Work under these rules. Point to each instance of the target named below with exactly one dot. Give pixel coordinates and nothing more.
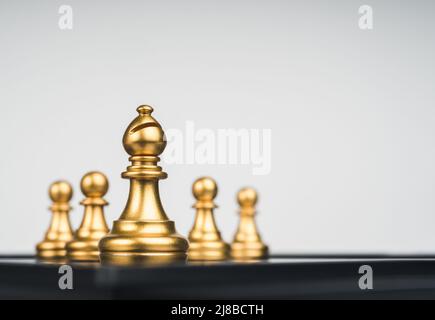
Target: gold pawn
(143, 234)
(205, 239)
(84, 247)
(247, 243)
(59, 231)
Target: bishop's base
(143, 242)
(83, 250)
(141, 258)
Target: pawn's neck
(204, 227)
(60, 226)
(247, 230)
(93, 223)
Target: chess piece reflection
(205, 239)
(247, 243)
(143, 234)
(59, 231)
(84, 247)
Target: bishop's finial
(144, 109)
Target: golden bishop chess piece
(143, 234)
(205, 240)
(84, 247)
(247, 243)
(59, 231)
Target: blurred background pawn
(53, 246)
(247, 243)
(84, 246)
(205, 240)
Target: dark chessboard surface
(279, 277)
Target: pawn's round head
(94, 184)
(204, 189)
(60, 191)
(247, 197)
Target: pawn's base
(51, 250)
(249, 251)
(208, 251)
(52, 261)
(83, 250)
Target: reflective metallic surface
(205, 239)
(59, 231)
(84, 247)
(143, 234)
(247, 243)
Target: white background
(352, 112)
